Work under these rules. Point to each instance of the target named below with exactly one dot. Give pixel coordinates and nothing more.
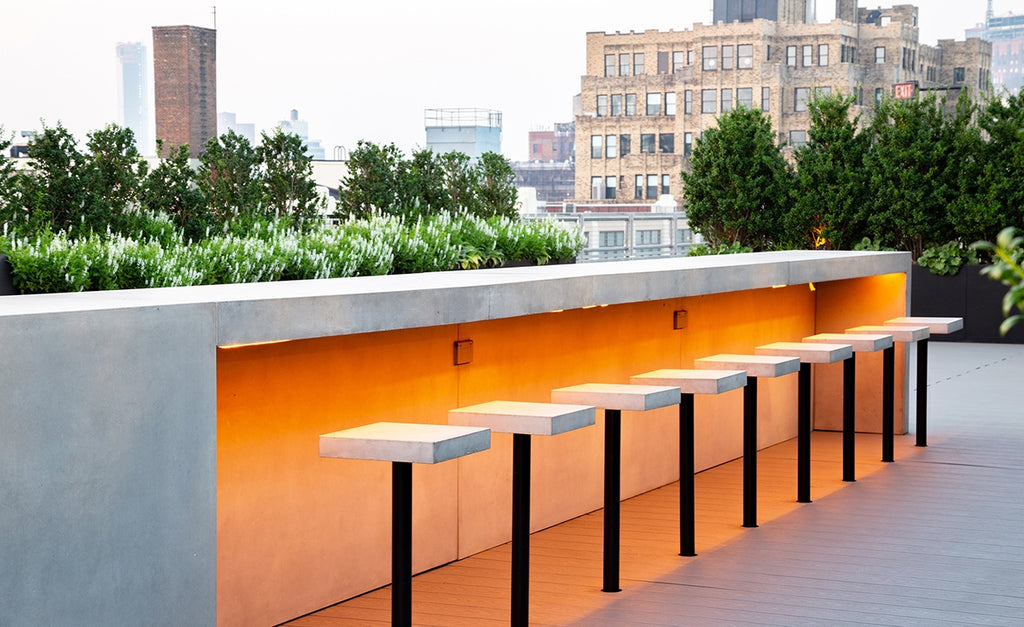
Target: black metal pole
(849, 417)
(687, 545)
(612, 466)
(803, 443)
(888, 400)
(520, 529)
(922, 392)
(750, 453)
(401, 544)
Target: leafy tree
(424, 184)
(739, 187)
(229, 177)
(830, 178)
(172, 187)
(1008, 268)
(115, 175)
(375, 181)
(288, 186)
(8, 183)
(56, 193)
(914, 168)
(460, 181)
(1001, 181)
(496, 186)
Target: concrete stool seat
(769, 366)
(690, 382)
(403, 444)
(523, 420)
(613, 398)
(863, 342)
(936, 326)
(809, 353)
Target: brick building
(185, 85)
(646, 97)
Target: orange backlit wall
(297, 533)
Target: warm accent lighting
(248, 344)
(811, 286)
(775, 287)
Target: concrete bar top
(860, 342)
(694, 381)
(768, 366)
(405, 442)
(523, 417)
(899, 332)
(618, 395)
(809, 353)
(285, 310)
(936, 326)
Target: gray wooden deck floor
(936, 538)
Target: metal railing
(619, 236)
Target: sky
(364, 69)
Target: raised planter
(6, 281)
(968, 294)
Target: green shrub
(947, 259)
(701, 250)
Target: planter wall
(6, 282)
(970, 295)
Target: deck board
(932, 539)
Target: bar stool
(862, 343)
(522, 420)
(809, 354)
(756, 366)
(906, 334)
(613, 398)
(403, 444)
(936, 326)
(690, 382)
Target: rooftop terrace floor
(936, 538)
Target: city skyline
(356, 72)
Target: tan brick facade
(710, 65)
(185, 85)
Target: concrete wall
(158, 458)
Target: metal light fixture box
(463, 352)
(679, 319)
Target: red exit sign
(903, 91)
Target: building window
(806, 54)
(611, 239)
(822, 54)
(652, 186)
(885, 20)
(688, 101)
(800, 97)
(745, 56)
(791, 56)
(727, 57)
(638, 186)
(797, 139)
(766, 99)
(667, 143)
(616, 104)
(684, 236)
(687, 144)
(609, 187)
(709, 54)
(609, 65)
(879, 54)
(648, 237)
(678, 61)
(670, 103)
(638, 63)
(611, 148)
(624, 64)
(878, 95)
(653, 104)
(596, 189)
(822, 91)
(647, 143)
(959, 75)
(623, 145)
(689, 57)
(662, 62)
(602, 105)
(665, 185)
(630, 104)
(708, 100)
(745, 97)
(595, 146)
(726, 100)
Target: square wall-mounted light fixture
(679, 320)
(463, 352)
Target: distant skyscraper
(132, 93)
(470, 131)
(299, 127)
(185, 85)
(785, 11)
(1006, 32)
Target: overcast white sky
(354, 70)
